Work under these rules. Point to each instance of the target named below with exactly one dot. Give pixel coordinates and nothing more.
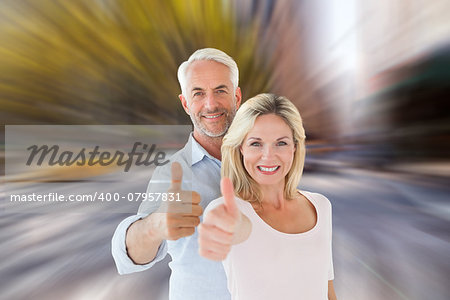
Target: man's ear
(184, 103)
(238, 96)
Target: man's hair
(208, 54)
(232, 161)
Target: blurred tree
(114, 61)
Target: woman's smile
(268, 150)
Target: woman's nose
(267, 152)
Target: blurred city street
(391, 238)
(391, 242)
(371, 80)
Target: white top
(274, 265)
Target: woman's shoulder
(241, 204)
(214, 203)
(317, 198)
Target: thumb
(226, 186)
(177, 176)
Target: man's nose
(210, 101)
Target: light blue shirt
(193, 277)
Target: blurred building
(371, 79)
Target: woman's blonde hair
(232, 161)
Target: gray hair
(208, 54)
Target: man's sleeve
(118, 245)
(119, 250)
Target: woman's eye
(255, 144)
(282, 144)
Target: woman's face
(268, 150)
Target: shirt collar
(198, 152)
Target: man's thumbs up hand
(182, 216)
(177, 176)
(220, 225)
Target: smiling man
(211, 96)
(210, 109)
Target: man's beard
(229, 116)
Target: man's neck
(210, 144)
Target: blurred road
(391, 241)
(391, 234)
(66, 254)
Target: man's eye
(221, 91)
(198, 94)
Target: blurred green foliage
(114, 61)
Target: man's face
(210, 100)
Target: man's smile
(213, 116)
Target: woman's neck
(273, 196)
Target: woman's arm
(331, 293)
(223, 225)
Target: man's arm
(142, 239)
(138, 239)
(123, 262)
(146, 235)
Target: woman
(274, 240)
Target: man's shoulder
(182, 156)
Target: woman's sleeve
(330, 267)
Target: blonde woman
(274, 240)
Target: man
(211, 96)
